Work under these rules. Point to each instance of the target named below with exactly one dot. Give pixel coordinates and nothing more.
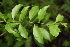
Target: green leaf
(9, 15)
(2, 16)
(37, 34)
(15, 10)
(33, 12)
(9, 28)
(45, 34)
(15, 33)
(50, 23)
(66, 43)
(59, 18)
(42, 12)
(64, 6)
(19, 39)
(65, 24)
(46, 18)
(13, 24)
(23, 13)
(23, 31)
(54, 30)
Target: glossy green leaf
(9, 28)
(45, 34)
(59, 18)
(33, 12)
(23, 31)
(54, 30)
(23, 13)
(15, 10)
(37, 34)
(42, 12)
(65, 24)
(2, 16)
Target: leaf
(13, 24)
(45, 34)
(54, 30)
(23, 13)
(42, 12)
(66, 43)
(37, 34)
(15, 10)
(51, 22)
(9, 15)
(67, 8)
(33, 12)
(15, 33)
(23, 31)
(65, 24)
(64, 6)
(2, 16)
(46, 18)
(19, 39)
(59, 18)
(9, 28)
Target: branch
(56, 8)
(3, 33)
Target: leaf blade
(54, 32)
(23, 31)
(15, 10)
(23, 13)
(45, 34)
(42, 12)
(59, 18)
(32, 12)
(37, 34)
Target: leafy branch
(35, 15)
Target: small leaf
(19, 39)
(42, 12)
(65, 24)
(59, 18)
(54, 30)
(9, 28)
(2, 16)
(66, 43)
(51, 22)
(45, 34)
(46, 18)
(16, 34)
(33, 12)
(37, 34)
(23, 13)
(15, 10)
(23, 31)
(13, 24)
(64, 6)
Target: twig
(56, 8)
(3, 33)
(1, 21)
